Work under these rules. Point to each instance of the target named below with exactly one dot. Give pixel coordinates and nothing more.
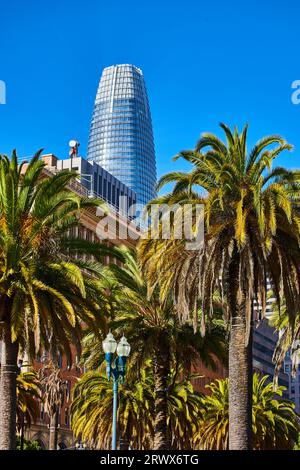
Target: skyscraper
(121, 136)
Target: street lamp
(80, 446)
(116, 368)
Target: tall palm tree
(53, 389)
(275, 425)
(154, 332)
(28, 401)
(251, 234)
(44, 295)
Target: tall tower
(121, 136)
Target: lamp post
(80, 446)
(116, 368)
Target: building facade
(204, 375)
(264, 342)
(294, 381)
(39, 430)
(265, 339)
(99, 182)
(121, 135)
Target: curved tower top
(121, 136)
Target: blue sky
(204, 62)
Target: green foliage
(155, 334)
(28, 398)
(28, 445)
(252, 221)
(214, 424)
(45, 296)
(149, 323)
(249, 236)
(275, 423)
(297, 444)
(91, 409)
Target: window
(287, 368)
(100, 185)
(113, 198)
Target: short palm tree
(214, 423)
(28, 401)
(154, 332)
(251, 235)
(184, 412)
(91, 410)
(44, 295)
(275, 425)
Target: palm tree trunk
(53, 431)
(161, 372)
(240, 388)
(240, 367)
(8, 391)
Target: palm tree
(91, 410)
(28, 401)
(53, 388)
(214, 423)
(251, 235)
(184, 412)
(154, 332)
(275, 425)
(44, 295)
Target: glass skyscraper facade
(121, 136)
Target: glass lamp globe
(109, 344)
(123, 348)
